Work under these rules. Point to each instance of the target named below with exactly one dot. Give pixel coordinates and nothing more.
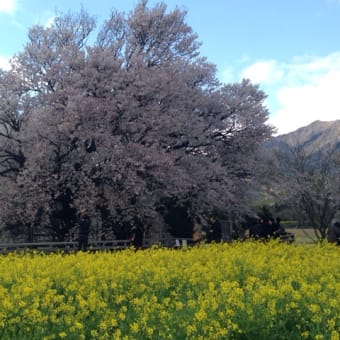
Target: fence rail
(107, 245)
(93, 245)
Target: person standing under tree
(136, 236)
(279, 229)
(215, 231)
(196, 233)
(84, 228)
(333, 235)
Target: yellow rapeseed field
(248, 290)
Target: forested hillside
(302, 174)
(318, 136)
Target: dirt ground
(303, 235)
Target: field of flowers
(227, 291)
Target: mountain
(318, 136)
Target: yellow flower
(335, 335)
(200, 315)
(78, 325)
(191, 329)
(149, 331)
(134, 327)
(179, 305)
(113, 322)
(94, 333)
(314, 308)
(331, 324)
(207, 292)
(103, 326)
(305, 334)
(117, 334)
(319, 337)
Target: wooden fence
(107, 245)
(93, 245)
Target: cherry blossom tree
(130, 126)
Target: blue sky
(291, 48)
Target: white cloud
(4, 62)
(50, 21)
(45, 18)
(301, 91)
(311, 92)
(8, 6)
(263, 72)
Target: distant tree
(123, 126)
(309, 183)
